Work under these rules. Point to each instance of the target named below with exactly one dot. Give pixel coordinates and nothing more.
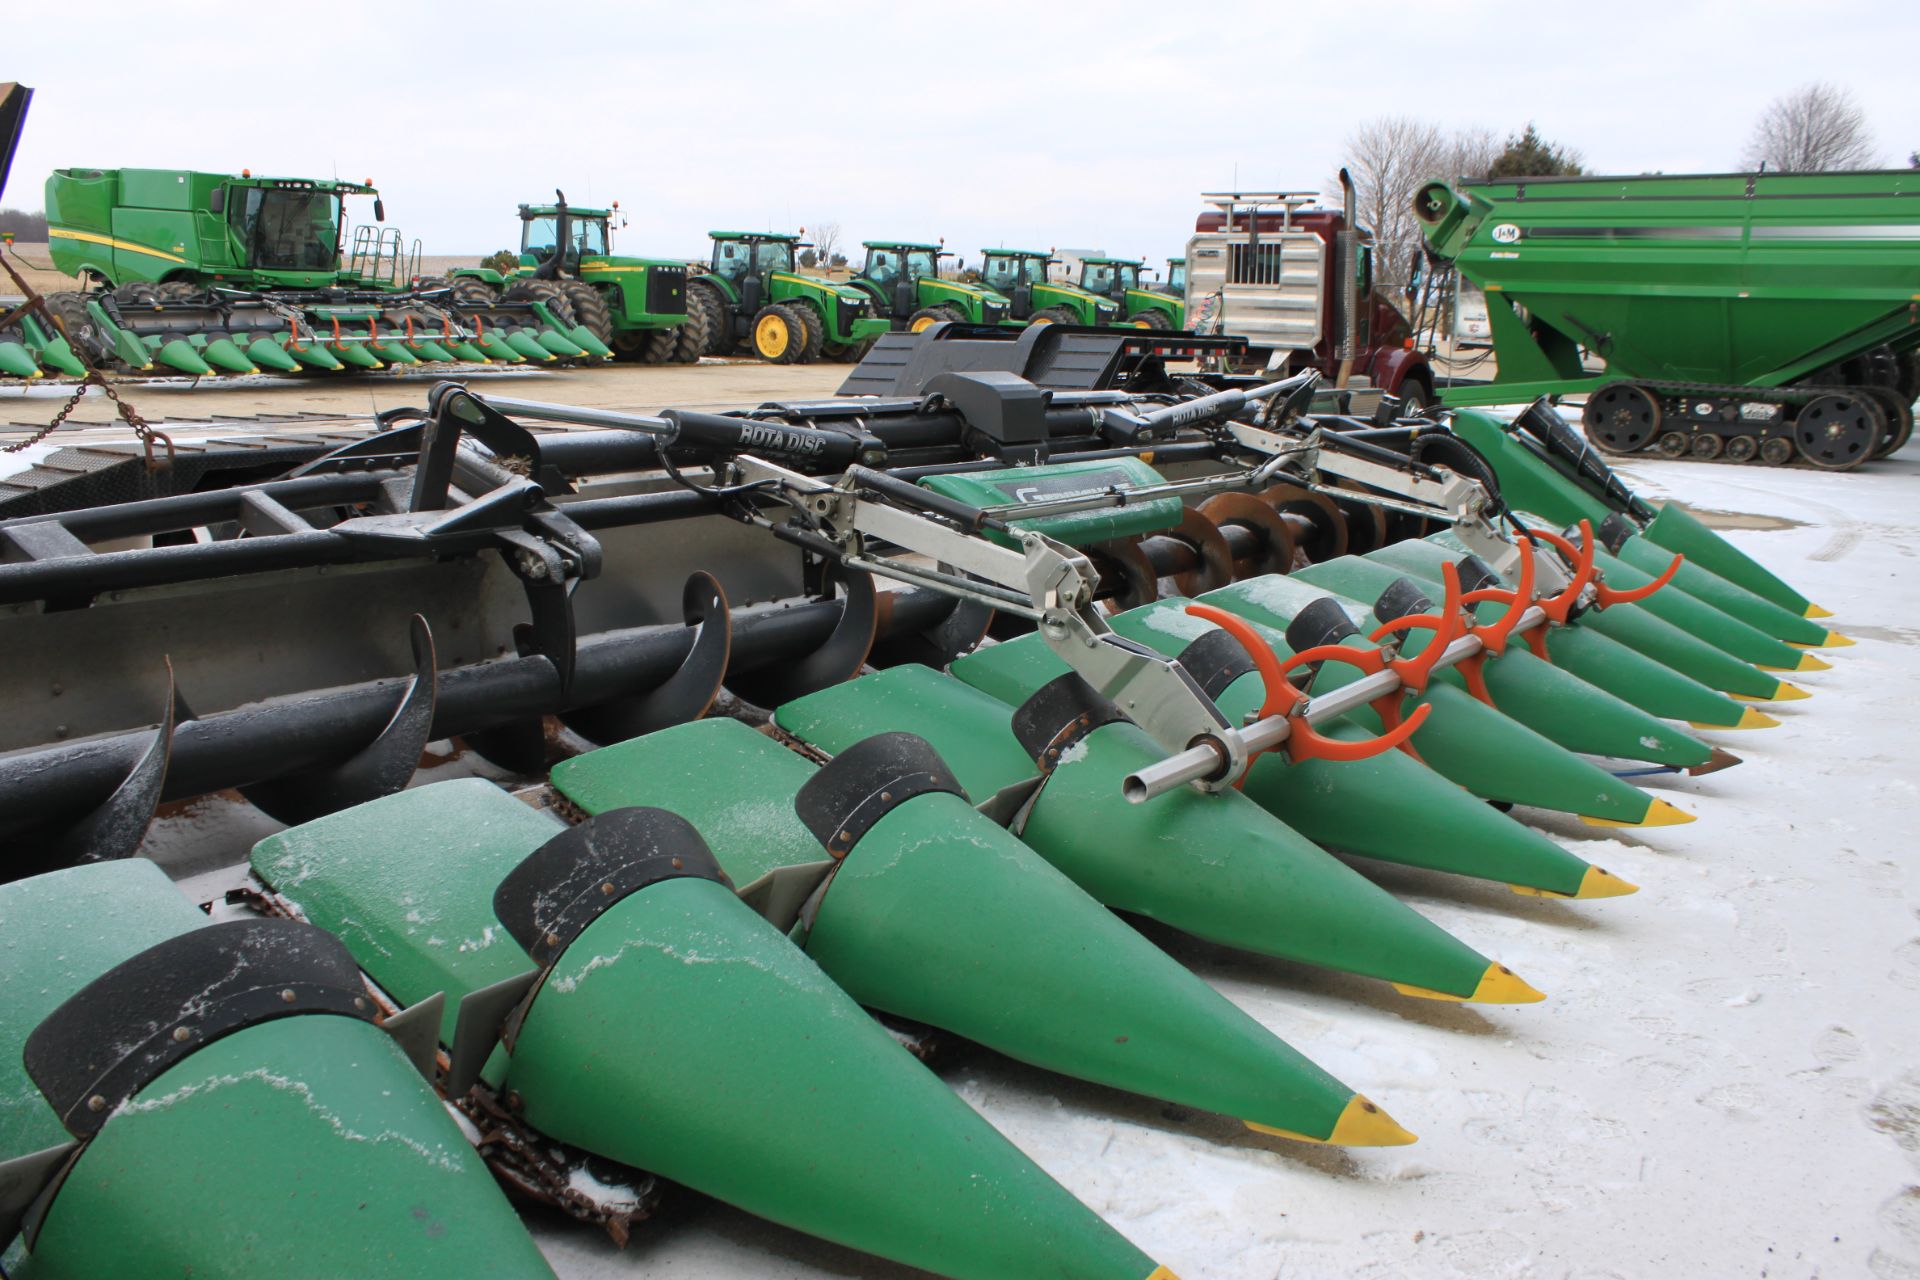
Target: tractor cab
(574, 234)
(894, 269)
(1016, 273)
(1110, 277)
(747, 260)
(1176, 284)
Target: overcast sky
(1029, 124)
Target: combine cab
(1118, 280)
(1755, 317)
(751, 293)
(1297, 282)
(206, 273)
(903, 280)
(1021, 275)
(634, 307)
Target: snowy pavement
(1724, 1081)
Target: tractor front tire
(590, 309)
(547, 292)
(927, 317)
(816, 331)
(470, 293)
(708, 330)
(1055, 315)
(779, 336)
(1151, 319)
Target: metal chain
(147, 434)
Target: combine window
(1254, 263)
(288, 230)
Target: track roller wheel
(1898, 412)
(1742, 449)
(1622, 417)
(1706, 446)
(1837, 431)
(778, 335)
(1673, 444)
(1776, 451)
(816, 330)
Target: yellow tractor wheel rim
(922, 324)
(770, 337)
(1141, 324)
(1041, 320)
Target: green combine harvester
(634, 307)
(1752, 317)
(211, 273)
(1021, 276)
(751, 293)
(903, 279)
(1118, 279)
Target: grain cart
(1021, 274)
(634, 307)
(1297, 281)
(203, 272)
(903, 279)
(1118, 279)
(1755, 317)
(751, 293)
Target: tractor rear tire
(816, 330)
(708, 330)
(544, 291)
(590, 309)
(1054, 315)
(779, 336)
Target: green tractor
(751, 293)
(903, 279)
(1118, 280)
(635, 307)
(1021, 274)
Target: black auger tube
(287, 735)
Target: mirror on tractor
(379, 209)
(217, 202)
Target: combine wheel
(1742, 449)
(547, 292)
(1055, 315)
(176, 290)
(1673, 444)
(816, 330)
(709, 327)
(1776, 451)
(1838, 431)
(590, 309)
(779, 337)
(927, 317)
(1622, 418)
(1706, 446)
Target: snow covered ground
(1724, 1081)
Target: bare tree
(826, 242)
(1817, 127)
(1392, 157)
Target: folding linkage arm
(1044, 580)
